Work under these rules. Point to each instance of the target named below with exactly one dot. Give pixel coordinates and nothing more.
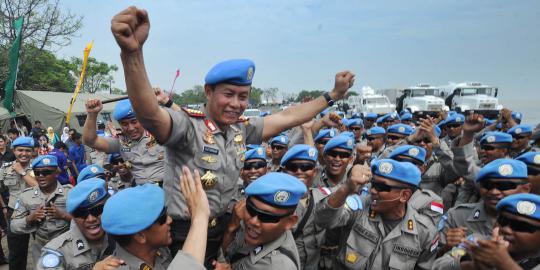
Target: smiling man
(211, 140)
(86, 242)
(337, 157)
(41, 210)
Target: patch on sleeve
(437, 207)
(434, 243)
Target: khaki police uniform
(116, 184)
(162, 260)
(324, 181)
(75, 251)
(279, 254)
(14, 181)
(473, 216)
(28, 201)
(146, 157)
(427, 203)
(411, 244)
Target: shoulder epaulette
(27, 189)
(193, 113)
(7, 164)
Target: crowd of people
(303, 188)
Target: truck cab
(367, 101)
(422, 100)
(473, 96)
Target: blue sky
(302, 44)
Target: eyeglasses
(263, 216)
(488, 147)
(424, 140)
(393, 137)
(83, 213)
(336, 154)
(293, 167)
(278, 147)
(162, 218)
(254, 165)
(382, 187)
(516, 225)
(500, 185)
(453, 125)
(44, 172)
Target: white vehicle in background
(252, 113)
(367, 102)
(473, 96)
(423, 99)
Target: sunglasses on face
(453, 125)
(356, 128)
(323, 142)
(532, 171)
(83, 213)
(382, 187)
(489, 147)
(519, 137)
(293, 167)
(44, 172)
(393, 137)
(278, 147)
(424, 140)
(516, 225)
(263, 216)
(371, 138)
(162, 218)
(336, 154)
(500, 185)
(254, 165)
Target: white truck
(422, 99)
(473, 96)
(367, 101)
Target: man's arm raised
(130, 29)
(89, 136)
(297, 115)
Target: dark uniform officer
(406, 118)
(85, 243)
(337, 155)
(41, 210)
(279, 145)
(255, 166)
(91, 171)
(122, 177)
(387, 120)
(374, 241)
(376, 138)
(271, 203)
(394, 134)
(453, 125)
(369, 119)
(17, 180)
(532, 159)
(320, 140)
(141, 211)
(521, 135)
(355, 126)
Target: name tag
(406, 251)
(125, 149)
(210, 150)
(367, 234)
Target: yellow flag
(81, 79)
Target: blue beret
(404, 172)
(341, 114)
(520, 129)
(402, 129)
(406, 117)
(123, 110)
(23, 142)
(525, 204)
(375, 131)
(90, 171)
(530, 158)
(438, 131)
(455, 118)
(252, 146)
(277, 189)
(411, 151)
(404, 111)
(503, 168)
(325, 133)
(86, 194)
(235, 71)
(451, 113)
(45, 161)
(347, 133)
(300, 151)
(517, 116)
(387, 117)
(496, 137)
(280, 139)
(355, 122)
(341, 141)
(114, 156)
(355, 115)
(133, 209)
(256, 153)
(371, 115)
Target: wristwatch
(23, 174)
(328, 98)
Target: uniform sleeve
(183, 260)
(446, 158)
(429, 251)
(254, 130)
(179, 130)
(280, 262)
(446, 262)
(18, 221)
(465, 161)
(114, 145)
(329, 217)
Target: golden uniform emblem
(238, 138)
(209, 138)
(208, 180)
(209, 159)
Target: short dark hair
(60, 145)
(122, 240)
(76, 135)
(2, 137)
(14, 131)
(72, 130)
(37, 122)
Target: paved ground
(29, 266)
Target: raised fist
(130, 29)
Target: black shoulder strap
(304, 220)
(111, 245)
(290, 255)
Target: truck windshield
(372, 101)
(424, 92)
(477, 91)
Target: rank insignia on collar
(145, 266)
(257, 250)
(209, 159)
(194, 113)
(80, 244)
(208, 180)
(476, 214)
(209, 138)
(210, 125)
(238, 138)
(410, 225)
(372, 214)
